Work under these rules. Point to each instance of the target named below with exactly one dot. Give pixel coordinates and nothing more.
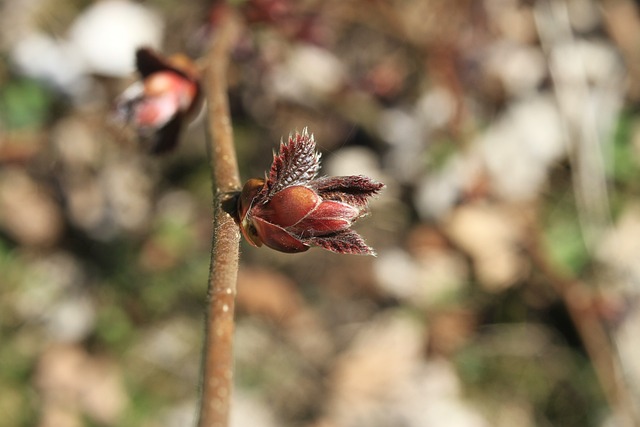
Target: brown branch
(217, 359)
(578, 300)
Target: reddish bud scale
(292, 210)
(289, 206)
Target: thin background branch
(217, 359)
(584, 111)
(578, 300)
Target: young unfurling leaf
(292, 210)
(159, 104)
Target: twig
(217, 359)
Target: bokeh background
(505, 290)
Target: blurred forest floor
(505, 291)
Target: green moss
(24, 103)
